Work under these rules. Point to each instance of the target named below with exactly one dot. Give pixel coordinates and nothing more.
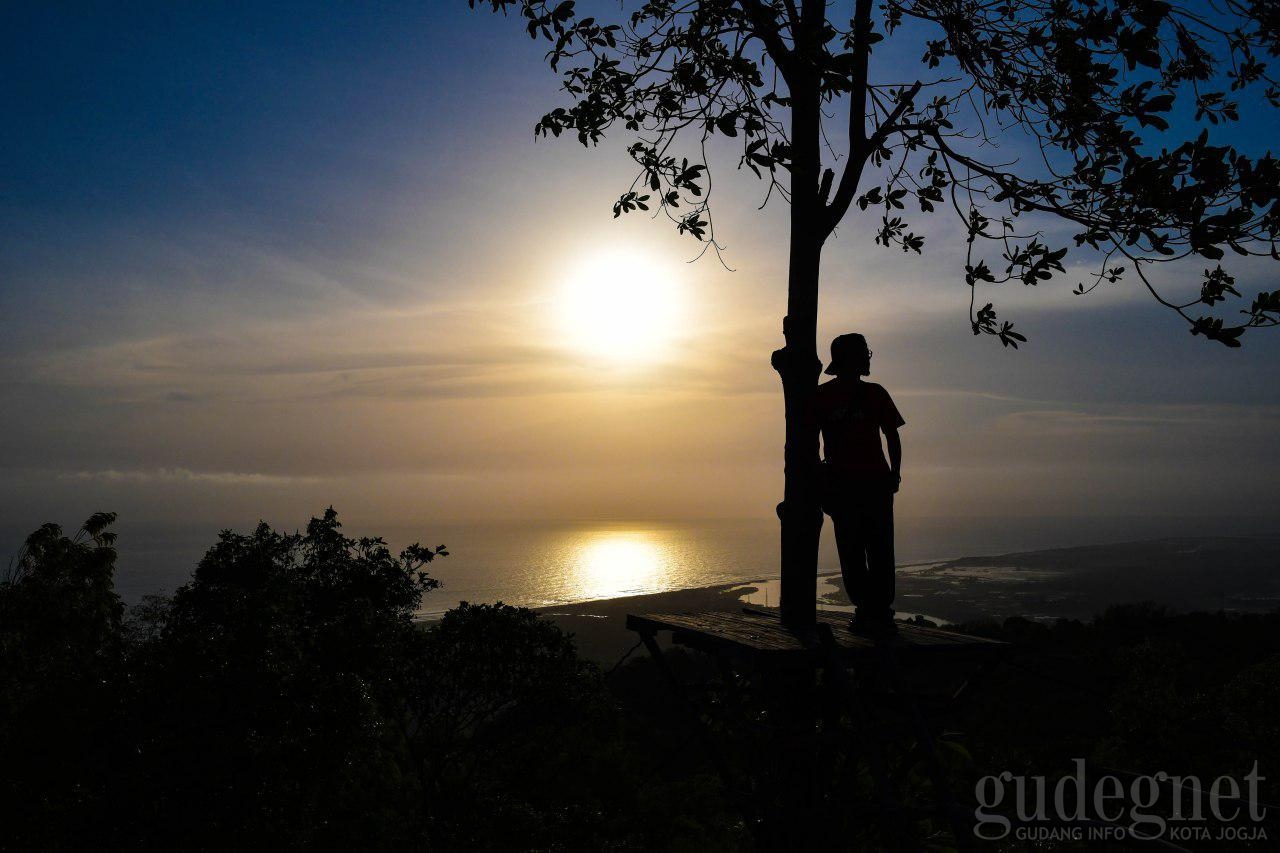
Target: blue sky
(255, 261)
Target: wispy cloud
(184, 475)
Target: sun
(622, 305)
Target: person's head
(850, 356)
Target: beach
(599, 628)
(1227, 574)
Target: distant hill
(1218, 573)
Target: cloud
(1201, 421)
(184, 475)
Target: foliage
(60, 664)
(524, 747)
(1138, 688)
(284, 698)
(271, 702)
(1119, 108)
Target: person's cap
(844, 349)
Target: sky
(255, 261)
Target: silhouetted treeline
(1138, 688)
(285, 699)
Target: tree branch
(765, 25)
(860, 148)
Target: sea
(550, 563)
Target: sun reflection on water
(612, 563)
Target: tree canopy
(1113, 118)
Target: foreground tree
(268, 695)
(1085, 89)
(60, 666)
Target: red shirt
(851, 415)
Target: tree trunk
(798, 365)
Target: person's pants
(863, 522)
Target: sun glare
(617, 563)
(623, 306)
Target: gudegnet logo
(1115, 806)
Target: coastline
(1214, 574)
(599, 628)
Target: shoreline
(1185, 574)
(599, 627)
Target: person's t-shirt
(851, 416)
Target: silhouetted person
(858, 484)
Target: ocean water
(540, 564)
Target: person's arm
(894, 443)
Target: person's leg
(852, 547)
(880, 584)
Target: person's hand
(897, 482)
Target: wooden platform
(872, 693)
(760, 636)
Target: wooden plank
(760, 634)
